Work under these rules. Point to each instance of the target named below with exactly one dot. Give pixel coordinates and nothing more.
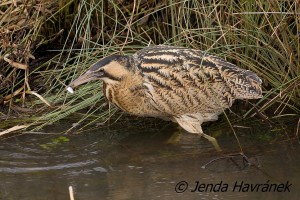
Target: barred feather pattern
(185, 81)
(184, 85)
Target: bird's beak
(86, 77)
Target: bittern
(184, 85)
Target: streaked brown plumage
(184, 85)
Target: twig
(15, 128)
(230, 156)
(255, 13)
(71, 193)
(297, 131)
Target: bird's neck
(110, 91)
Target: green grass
(262, 36)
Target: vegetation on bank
(45, 44)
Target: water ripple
(47, 168)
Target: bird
(183, 85)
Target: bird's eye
(99, 73)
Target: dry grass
(262, 36)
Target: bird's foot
(175, 137)
(213, 141)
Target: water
(144, 161)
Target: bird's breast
(111, 95)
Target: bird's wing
(244, 84)
(181, 80)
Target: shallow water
(144, 162)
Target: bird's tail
(252, 86)
(245, 85)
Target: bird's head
(110, 70)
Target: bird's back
(184, 81)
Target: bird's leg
(175, 137)
(192, 124)
(212, 140)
